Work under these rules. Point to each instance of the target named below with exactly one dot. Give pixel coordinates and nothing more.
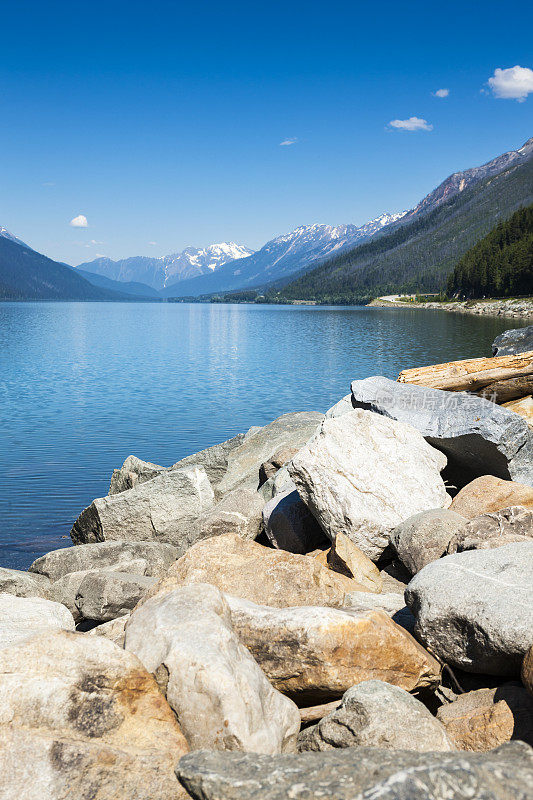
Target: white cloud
(288, 142)
(152, 243)
(99, 255)
(411, 124)
(441, 93)
(514, 83)
(79, 222)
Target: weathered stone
(514, 524)
(161, 509)
(522, 406)
(314, 654)
(514, 341)
(377, 714)
(100, 595)
(349, 560)
(239, 511)
(342, 407)
(214, 459)
(425, 537)
(269, 468)
(477, 436)
(81, 718)
(349, 476)
(244, 461)
(280, 483)
(526, 673)
(133, 471)
(361, 773)
(24, 617)
(141, 558)
(220, 695)
(487, 718)
(114, 630)
(391, 603)
(474, 610)
(289, 525)
(247, 569)
(487, 494)
(22, 584)
(395, 577)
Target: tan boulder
(347, 559)
(527, 670)
(244, 568)
(523, 406)
(488, 493)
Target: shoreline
(515, 308)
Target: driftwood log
(505, 391)
(470, 375)
(316, 713)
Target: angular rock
(477, 436)
(346, 558)
(141, 558)
(161, 509)
(361, 773)
(239, 511)
(269, 468)
(100, 595)
(514, 524)
(218, 692)
(377, 714)
(133, 472)
(280, 483)
(314, 654)
(342, 407)
(289, 525)
(214, 459)
(247, 569)
(474, 610)
(392, 603)
(395, 577)
(22, 584)
(425, 537)
(514, 341)
(24, 617)
(523, 407)
(486, 718)
(113, 630)
(487, 494)
(81, 718)
(348, 475)
(526, 673)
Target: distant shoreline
(520, 308)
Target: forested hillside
(501, 264)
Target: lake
(83, 385)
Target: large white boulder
(24, 617)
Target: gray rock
(132, 472)
(348, 475)
(280, 483)
(141, 558)
(239, 511)
(269, 468)
(514, 341)
(161, 509)
(377, 714)
(342, 407)
(513, 524)
(391, 603)
(478, 436)
(213, 459)
(22, 584)
(24, 617)
(425, 537)
(289, 525)
(114, 630)
(104, 595)
(361, 773)
(474, 610)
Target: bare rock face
(24, 617)
(81, 718)
(100, 595)
(488, 494)
(247, 569)
(269, 468)
(349, 476)
(239, 511)
(342, 407)
(514, 524)
(133, 472)
(289, 525)
(392, 603)
(113, 630)
(425, 537)
(377, 714)
(220, 695)
(22, 584)
(511, 342)
(161, 509)
(486, 718)
(344, 557)
(314, 654)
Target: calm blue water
(83, 385)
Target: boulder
(425, 537)
(391, 603)
(314, 654)
(342, 407)
(100, 595)
(81, 718)
(24, 617)
(347, 559)
(474, 610)
(280, 483)
(133, 472)
(141, 558)
(244, 461)
(477, 436)
(514, 524)
(289, 525)
(522, 406)
(214, 459)
(247, 569)
(161, 509)
(113, 630)
(269, 468)
(218, 692)
(377, 714)
(361, 773)
(526, 673)
(395, 576)
(239, 511)
(486, 718)
(22, 584)
(349, 477)
(514, 341)
(487, 494)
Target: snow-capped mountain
(159, 272)
(281, 257)
(8, 235)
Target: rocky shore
(521, 308)
(333, 607)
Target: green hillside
(420, 255)
(501, 264)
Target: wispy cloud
(153, 244)
(79, 222)
(441, 93)
(99, 255)
(48, 183)
(514, 83)
(289, 141)
(411, 124)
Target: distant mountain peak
(8, 235)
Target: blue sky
(162, 122)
